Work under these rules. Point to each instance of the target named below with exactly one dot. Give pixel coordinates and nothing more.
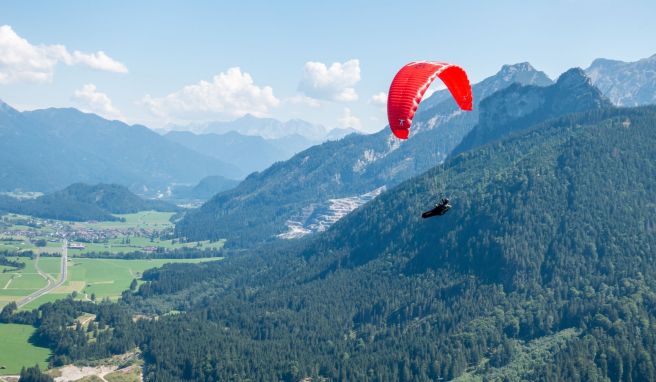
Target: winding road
(52, 284)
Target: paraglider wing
(410, 84)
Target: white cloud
(333, 83)
(349, 120)
(22, 61)
(379, 99)
(303, 100)
(91, 100)
(99, 60)
(229, 95)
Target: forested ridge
(543, 270)
(83, 202)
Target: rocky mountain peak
(625, 83)
(518, 107)
(518, 67)
(572, 78)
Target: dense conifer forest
(544, 270)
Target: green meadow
(145, 219)
(106, 278)
(16, 350)
(135, 244)
(18, 283)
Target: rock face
(519, 107)
(320, 216)
(522, 73)
(625, 83)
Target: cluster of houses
(77, 235)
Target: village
(143, 232)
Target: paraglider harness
(439, 210)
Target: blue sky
(176, 61)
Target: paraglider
(440, 209)
(410, 84)
(408, 88)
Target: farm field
(144, 219)
(102, 277)
(106, 278)
(110, 277)
(18, 283)
(17, 351)
(134, 244)
(15, 245)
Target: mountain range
(267, 128)
(46, 150)
(518, 106)
(625, 83)
(284, 200)
(249, 153)
(362, 165)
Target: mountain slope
(205, 189)
(543, 270)
(517, 107)
(625, 83)
(81, 202)
(49, 149)
(279, 200)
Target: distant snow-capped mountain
(267, 128)
(625, 83)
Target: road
(52, 284)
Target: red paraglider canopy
(410, 84)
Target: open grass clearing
(50, 265)
(110, 277)
(144, 219)
(17, 351)
(28, 281)
(50, 297)
(106, 278)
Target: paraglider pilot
(439, 210)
